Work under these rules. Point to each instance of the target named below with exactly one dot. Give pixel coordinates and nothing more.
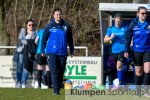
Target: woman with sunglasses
(26, 41)
(139, 31)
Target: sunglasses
(144, 13)
(31, 24)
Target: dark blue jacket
(56, 37)
(140, 32)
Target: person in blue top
(41, 61)
(116, 34)
(139, 31)
(56, 36)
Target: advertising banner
(80, 70)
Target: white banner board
(84, 70)
(7, 72)
(80, 70)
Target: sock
(146, 82)
(39, 77)
(48, 78)
(121, 77)
(138, 82)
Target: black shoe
(49, 87)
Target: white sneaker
(116, 88)
(23, 85)
(18, 85)
(147, 95)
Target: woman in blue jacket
(139, 31)
(56, 36)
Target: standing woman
(26, 38)
(139, 30)
(56, 37)
(41, 61)
(116, 34)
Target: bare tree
(81, 14)
(41, 15)
(15, 20)
(54, 4)
(3, 35)
(31, 9)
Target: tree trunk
(40, 18)
(3, 36)
(33, 1)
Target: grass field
(29, 94)
(47, 94)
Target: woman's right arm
(129, 34)
(45, 37)
(22, 36)
(108, 38)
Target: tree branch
(31, 9)
(15, 20)
(41, 15)
(54, 4)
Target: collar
(53, 21)
(142, 25)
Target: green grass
(47, 94)
(29, 94)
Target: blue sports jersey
(141, 36)
(40, 35)
(118, 42)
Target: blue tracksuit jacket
(56, 37)
(140, 32)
